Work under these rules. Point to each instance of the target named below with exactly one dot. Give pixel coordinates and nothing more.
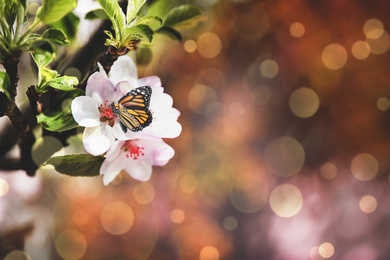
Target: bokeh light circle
(326, 250)
(304, 102)
(364, 166)
(143, 193)
(209, 45)
(269, 69)
(314, 254)
(297, 30)
(360, 50)
(4, 187)
(328, 171)
(230, 223)
(177, 216)
(199, 96)
(190, 46)
(249, 193)
(334, 56)
(71, 245)
(383, 104)
(368, 204)
(209, 253)
(284, 156)
(373, 28)
(379, 45)
(43, 148)
(117, 218)
(17, 255)
(286, 200)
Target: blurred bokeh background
(284, 153)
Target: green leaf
(57, 121)
(53, 10)
(10, 11)
(42, 58)
(55, 35)
(5, 83)
(68, 24)
(148, 19)
(77, 164)
(133, 7)
(64, 83)
(142, 30)
(97, 14)
(60, 118)
(116, 15)
(170, 32)
(184, 17)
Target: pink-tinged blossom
(136, 157)
(102, 127)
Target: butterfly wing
(133, 108)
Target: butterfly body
(133, 109)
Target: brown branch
(10, 109)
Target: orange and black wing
(133, 108)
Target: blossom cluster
(133, 152)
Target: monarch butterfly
(133, 109)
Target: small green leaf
(142, 30)
(57, 121)
(97, 14)
(10, 11)
(48, 74)
(148, 19)
(53, 10)
(42, 58)
(170, 32)
(133, 7)
(64, 83)
(5, 83)
(184, 17)
(116, 15)
(55, 35)
(77, 164)
(60, 118)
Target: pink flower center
(132, 150)
(106, 113)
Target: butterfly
(133, 109)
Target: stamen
(106, 113)
(132, 150)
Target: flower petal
(154, 82)
(100, 88)
(110, 169)
(85, 111)
(165, 124)
(156, 151)
(124, 69)
(98, 140)
(138, 169)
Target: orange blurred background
(284, 153)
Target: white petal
(85, 111)
(165, 125)
(100, 88)
(156, 151)
(98, 139)
(124, 69)
(114, 150)
(154, 82)
(138, 169)
(110, 169)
